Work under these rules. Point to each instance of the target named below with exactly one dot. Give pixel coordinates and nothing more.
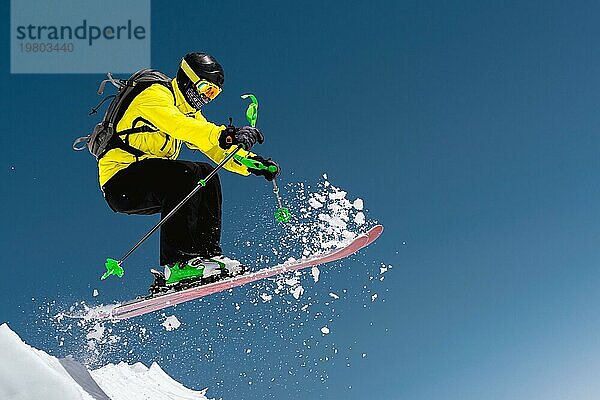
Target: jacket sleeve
(156, 105)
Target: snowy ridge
(124, 382)
(27, 373)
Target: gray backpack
(104, 137)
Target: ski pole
(113, 267)
(282, 214)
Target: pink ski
(143, 306)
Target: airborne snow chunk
(171, 323)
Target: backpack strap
(139, 129)
(116, 142)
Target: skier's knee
(205, 169)
(199, 171)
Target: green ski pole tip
(283, 215)
(112, 268)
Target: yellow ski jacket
(173, 122)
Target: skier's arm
(156, 105)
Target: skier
(143, 176)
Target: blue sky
(470, 131)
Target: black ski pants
(157, 185)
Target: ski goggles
(206, 89)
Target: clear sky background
(470, 129)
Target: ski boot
(197, 271)
(214, 268)
(180, 276)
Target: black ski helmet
(204, 66)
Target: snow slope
(27, 373)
